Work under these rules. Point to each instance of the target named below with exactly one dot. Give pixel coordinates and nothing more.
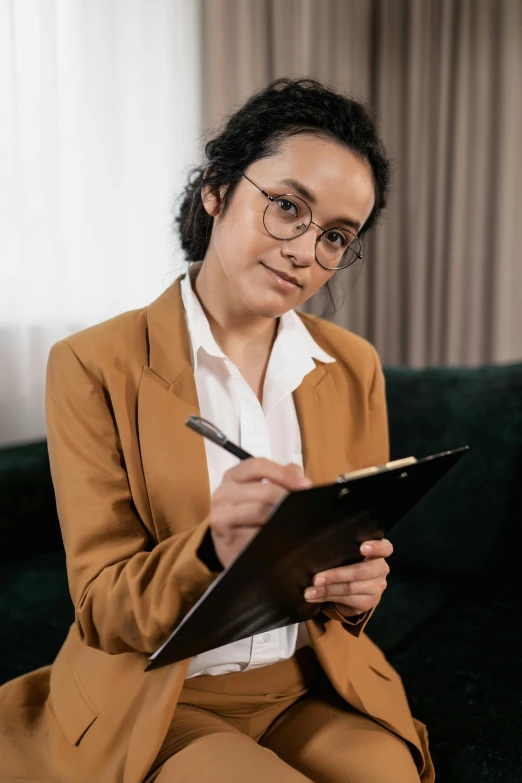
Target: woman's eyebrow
(300, 189)
(303, 191)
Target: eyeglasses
(287, 216)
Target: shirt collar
(290, 321)
(201, 336)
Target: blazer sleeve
(379, 450)
(128, 591)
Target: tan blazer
(133, 500)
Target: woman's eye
(336, 238)
(288, 206)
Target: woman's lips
(287, 285)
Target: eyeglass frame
(272, 199)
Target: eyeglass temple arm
(270, 198)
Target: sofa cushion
(28, 519)
(463, 679)
(459, 526)
(35, 612)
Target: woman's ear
(211, 200)
(212, 197)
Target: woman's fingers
(380, 548)
(359, 586)
(370, 568)
(245, 500)
(335, 592)
(265, 493)
(250, 514)
(290, 477)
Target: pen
(210, 431)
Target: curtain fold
(442, 283)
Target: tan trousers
(282, 723)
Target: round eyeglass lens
(287, 217)
(337, 249)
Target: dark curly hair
(284, 108)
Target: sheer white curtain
(99, 121)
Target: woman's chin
(270, 306)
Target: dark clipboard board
(310, 531)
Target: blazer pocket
(379, 670)
(73, 708)
(376, 660)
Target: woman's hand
(243, 502)
(355, 588)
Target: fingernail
(366, 549)
(305, 482)
(310, 593)
(319, 580)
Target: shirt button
(267, 637)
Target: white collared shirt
(270, 430)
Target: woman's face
(341, 194)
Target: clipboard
(311, 530)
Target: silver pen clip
(207, 429)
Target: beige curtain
(442, 283)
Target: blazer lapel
(321, 413)
(174, 461)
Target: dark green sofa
(451, 619)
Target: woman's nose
(301, 248)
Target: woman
(151, 513)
